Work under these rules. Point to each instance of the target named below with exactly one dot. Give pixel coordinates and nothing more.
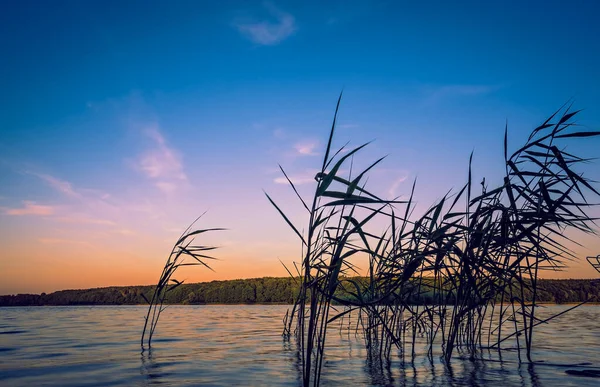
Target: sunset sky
(122, 121)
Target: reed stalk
(183, 248)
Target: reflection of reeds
(177, 258)
(455, 275)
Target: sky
(121, 122)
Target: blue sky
(122, 121)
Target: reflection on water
(241, 345)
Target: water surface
(222, 345)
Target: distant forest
(260, 291)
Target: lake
(223, 345)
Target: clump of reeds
(340, 210)
(466, 270)
(183, 248)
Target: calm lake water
(241, 345)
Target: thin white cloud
(393, 190)
(268, 32)
(60, 185)
(298, 179)
(306, 148)
(91, 196)
(85, 220)
(161, 163)
(30, 208)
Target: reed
(595, 262)
(476, 257)
(183, 248)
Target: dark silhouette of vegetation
(182, 249)
(595, 262)
(479, 254)
(268, 290)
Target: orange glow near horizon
(97, 240)
(56, 267)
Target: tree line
(268, 290)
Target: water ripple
(241, 345)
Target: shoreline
(267, 291)
(591, 303)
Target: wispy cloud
(60, 185)
(85, 220)
(59, 241)
(161, 163)
(91, 196)
(298, 179)
(393, 190)
(85, 199)
(30, 208)
(306, 148)
(166, 186)
(268, 32)
(124, 231)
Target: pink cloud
(166, 187)
(161, 161)
(306, 148)
(30, 208)
(85, 220)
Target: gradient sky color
(122, 121)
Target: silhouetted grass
(595, 262)
(182, 249)
(477, 256)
